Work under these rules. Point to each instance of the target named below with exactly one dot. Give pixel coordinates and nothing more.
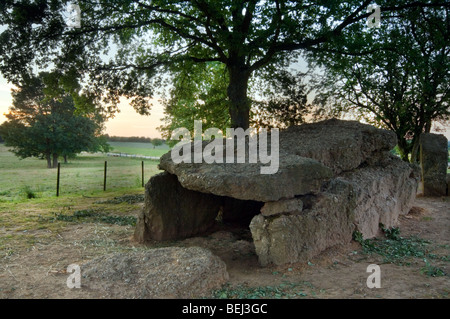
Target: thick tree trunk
(55, 160)
(237, 93)
(49, 160)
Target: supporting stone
(297, 237)
(293, 205)
(355, 201)
(173, 212)
(383, 192)
(434, 161)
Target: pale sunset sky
(125, 123)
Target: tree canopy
(134, 48)
(396, 76)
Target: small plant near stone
(391, 233)
(399, 250)
(282, 291)
(431, 270)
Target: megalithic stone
(172, 212)
(433, 163)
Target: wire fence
(132, 156)
(105, 176)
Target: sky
(125, 123)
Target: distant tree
(396, 76)
(157, 142)
(138, 139)
(43, 122)
(1, 140)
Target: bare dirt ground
(340, 272)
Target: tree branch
(271, 51)
(308, 43)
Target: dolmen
(331, 179)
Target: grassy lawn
(146, 149)
(23, 221)
(80, 176)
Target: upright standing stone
(173, 212)
(433, 162)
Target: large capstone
(296, 175)
(309, 155)
(339, 145)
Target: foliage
(198, 93)
(395, 76)
(431, 270)
(43, 122)
(282, 291)
(283, 102)
(136, 139)
(137, 48)
(157, 142)
(396, 249)
(28, 192)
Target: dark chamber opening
(235, 215)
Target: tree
(284, 100)
(154, 40)
(43, 125)
(156, 142)
(198, 93)
(402, 85)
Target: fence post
(104, 176)
(57, 179)
(142, 173)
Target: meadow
(146, 149)
(83, 175)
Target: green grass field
(146, 149)
(80, 176)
